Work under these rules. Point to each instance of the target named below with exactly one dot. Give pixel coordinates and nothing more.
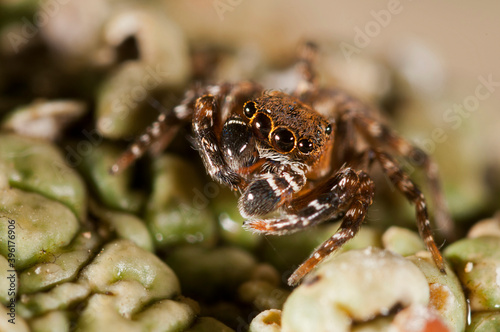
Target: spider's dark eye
(305, 146)
(328, 129)
(283, 140)
(249, 109)
(262, 125)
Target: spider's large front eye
(305, 146)
(249, 109)
(262, 125)
(283, 140)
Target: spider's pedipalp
(205, 123)
(267, 192)
(211, 114)
(327, 201)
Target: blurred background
(432, 66)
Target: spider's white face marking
(243, 147)
(281, 159)
(236, 121)
(295, 186)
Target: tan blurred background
(464, 34)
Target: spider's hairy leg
(205, 124)
(415, 196)
(163, 127)
(162, 131)
(353, 218)
(379, 135)
(307, 55)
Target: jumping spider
(305, 154)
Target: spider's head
(288, 129)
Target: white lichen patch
(44, 119)
(355, 286)
(266, 321)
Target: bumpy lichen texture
(446, 294)
(354, 287)
(477, 262)
(35, 165)
(42, 225)
(59, 265)
(113, 191)
(178, 209)
(122, 263)
(124, 284)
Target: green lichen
(38, 166)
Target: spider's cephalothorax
(288, 128)
(276, 142)
(284, 155)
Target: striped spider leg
(348, 193)
(164, 129)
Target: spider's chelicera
(306, 154)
